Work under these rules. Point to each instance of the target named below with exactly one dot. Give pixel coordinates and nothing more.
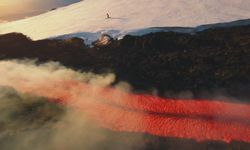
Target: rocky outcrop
(104, 39)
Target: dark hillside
(203, 62)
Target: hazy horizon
(15, 9)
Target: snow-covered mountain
(87, 19)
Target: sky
(18, 9)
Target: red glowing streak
(120, 111)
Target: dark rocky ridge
(204, 62)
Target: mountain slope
(89, 16)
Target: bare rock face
(104, 39)
(74, 42)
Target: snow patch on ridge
(87, 19)
(89, 38)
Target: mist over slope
(89, 16)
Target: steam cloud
(28, 119)
(94, 101)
